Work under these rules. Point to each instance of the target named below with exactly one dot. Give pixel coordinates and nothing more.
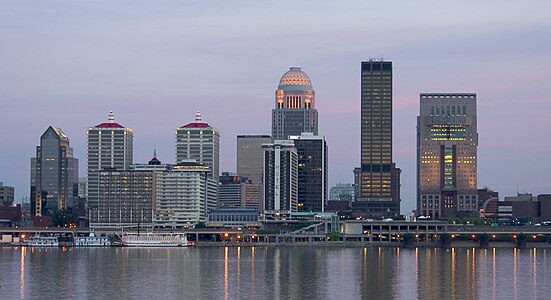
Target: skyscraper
(250, 156)
(201, 142)
(280, 178)
(295, 106)
(447, 141)
(312, 172)
(110, 146)
(54, 174)
(250, 162)
(378, 177)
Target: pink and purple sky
(154, 63)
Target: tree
(61, 217)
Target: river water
(274, 273)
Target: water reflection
(278, 273)
(22, 276)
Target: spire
(198, 118)
(154, 160)
(111, 118)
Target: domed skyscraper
(295, 106)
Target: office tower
(6, 195)
(237, 191)
(378, 178)
(280, 179)
(295, 106)
(83, 187)
(312, 172)
(185, 194)
(201, 142)
(250, 162)
(54, 174)
(447, 141)
(110, 146)
(342, 192)
(250, 156)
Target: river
(274, 273)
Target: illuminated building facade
(54, 174)
(110, 146)
(378, 179)
(447, 141)
(295, 106)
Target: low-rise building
(233, 218)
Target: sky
(155, 63)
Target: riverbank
(459, 244)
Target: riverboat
(92, 241)
(150, 239)
(41, 241)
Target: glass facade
(54, 174)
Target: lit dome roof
(295, 80)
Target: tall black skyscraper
(312, 172)
(378, 178)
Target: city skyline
(155, 66)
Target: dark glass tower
(54, 174)
(312, 172)
(378, 178)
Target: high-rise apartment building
(447, 141)
(110, 146)
(280, 178)
(125, 199)
(184, 195)
(378, 178)
(295, 106)
(54, 174)
(201, 142)
(312, 172)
